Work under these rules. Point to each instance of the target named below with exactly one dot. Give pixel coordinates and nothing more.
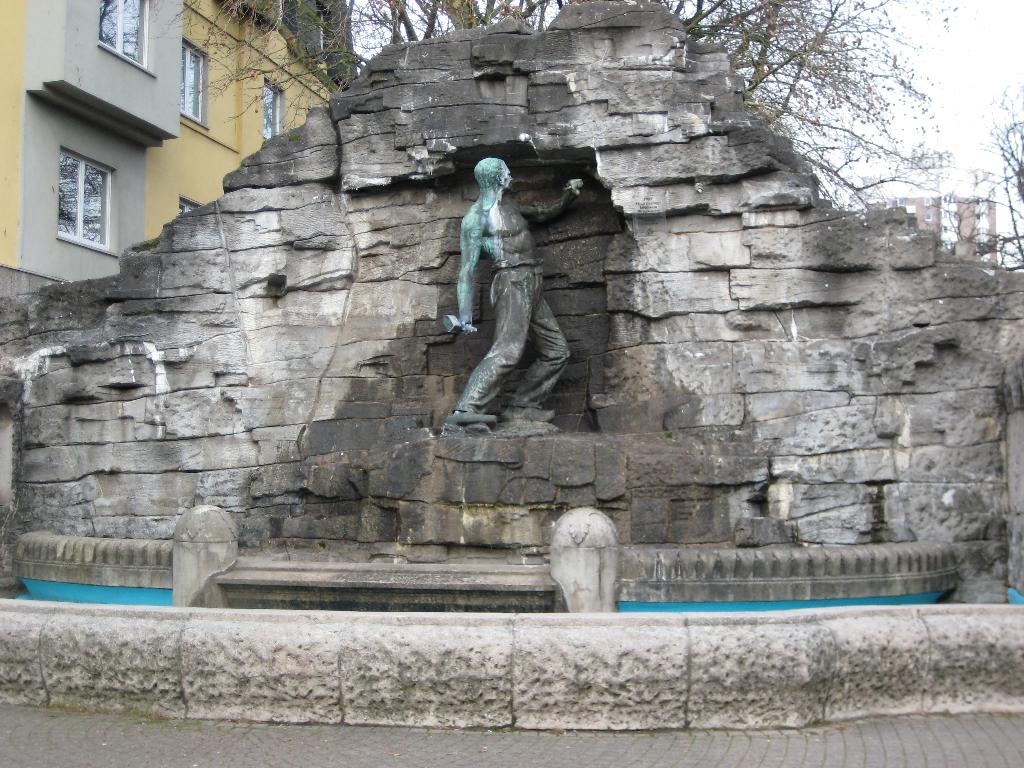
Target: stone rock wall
(739, 348)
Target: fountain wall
(741, 350)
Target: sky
(965, 69)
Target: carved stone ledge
(786, 573)
(86, 560)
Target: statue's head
(492, 173)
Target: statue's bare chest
(504, 220)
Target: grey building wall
(47, 129)
(66, 62)
(85, 98)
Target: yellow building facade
(241, 62)
(12, 58)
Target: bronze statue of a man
(495, 228)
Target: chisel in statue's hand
(452, 324)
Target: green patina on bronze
(495, 228)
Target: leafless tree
(829, 74)
(307, 43)
(1008, 139)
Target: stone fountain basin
(585, 671)
(649, 576)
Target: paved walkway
(40, 738)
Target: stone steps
(265, 583)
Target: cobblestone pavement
(41, 738)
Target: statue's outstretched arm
(545, 212)
(470, 241)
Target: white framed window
(193, 82)
(273, 109)
(123, 28)
(83, 200)
(185, 205)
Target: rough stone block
(881, 664)
(758, 672)
(649, 519)
(762, 532)
(573, 464)
(861, 466)
(846, 526)
(711, 158)
(969, 464)
(108, 661)
(283, 671)
(824, 430)
(766, 406)
(781, 366)
(982, 566)
(1015, 563)
(483, 483)
(652, 465)
(420, 523)
(21, 677)
(704, 411)
(380, 310)
(791, 288)
(253, 200)
(957, 418)
(504, 526)
(666, 373)
(669, 251)
(622, 675)
(831, 513)
(298, 156)
(719, 250)
(948, 511)
(664, 294)
(974, 661)
(416, 672)
(610, 473)
(761, 192)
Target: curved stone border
(86, 560)
(694, 574)
(588, 671)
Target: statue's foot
(465, 430)
(468, 423)
(526, 413)
(464, 418)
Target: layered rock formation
(739, 349)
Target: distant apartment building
(973, 220)
(953, 218)
(118, 115)
(928, 210)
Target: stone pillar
(585, 560)
(205, 543)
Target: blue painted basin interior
(66, 592)
(776, 605)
